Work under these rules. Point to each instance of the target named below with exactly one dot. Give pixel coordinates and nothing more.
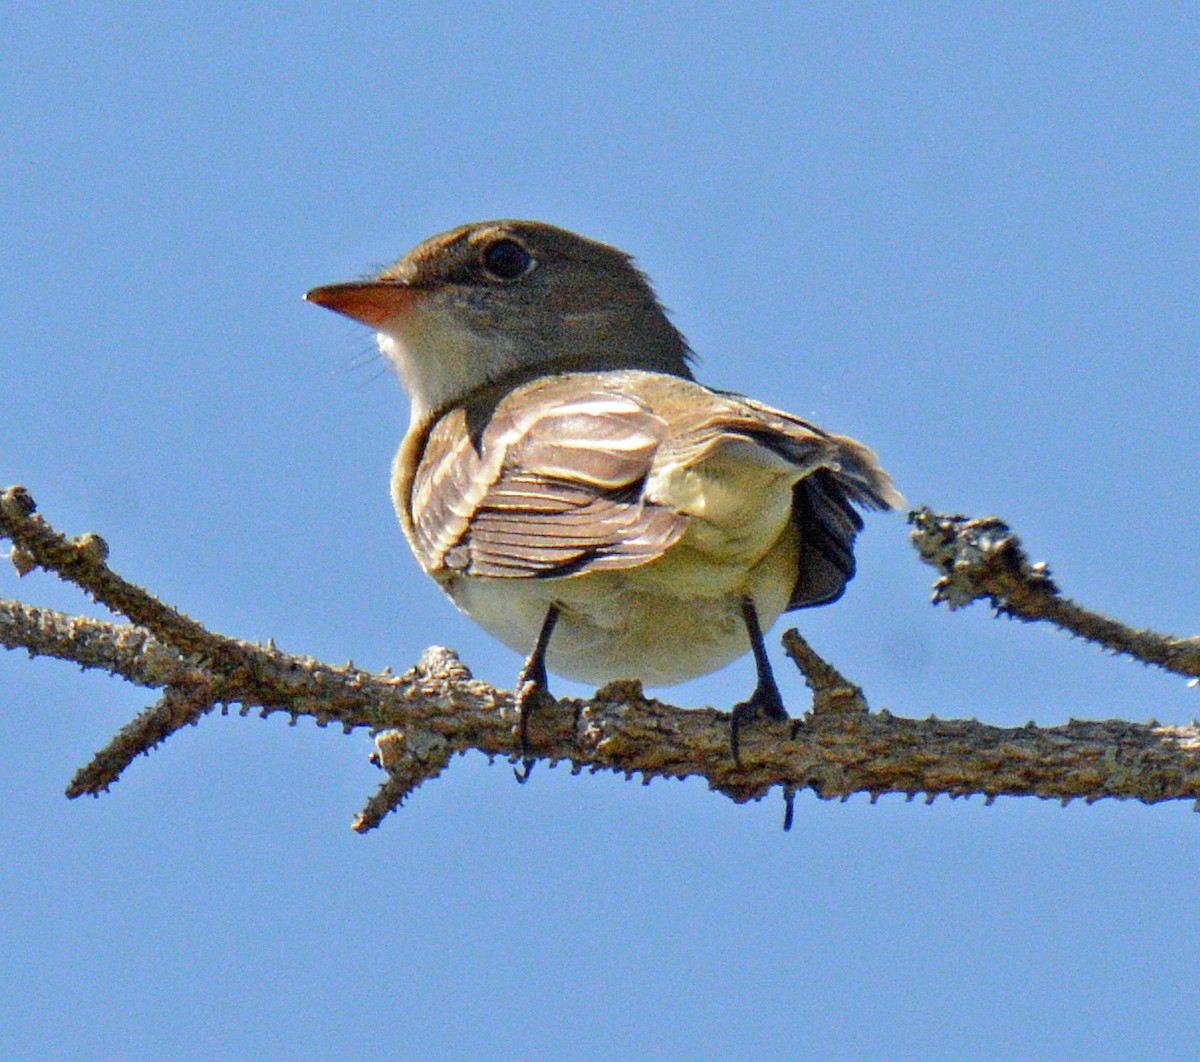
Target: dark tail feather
(824, 514)
(827, 524)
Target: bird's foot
(531, 693)
(765, 701)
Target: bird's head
(509, 299)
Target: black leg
(532, 685)
(765, 700)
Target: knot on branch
(977, 558)
(16, 503)
(438, 664)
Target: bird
(573, 488)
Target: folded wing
(549, 487)
(552, 479)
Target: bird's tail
(824, 514)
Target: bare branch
(82, 561)
(983, 558)
(177, 708)
(410, 758)
(832, 691)
(423, 718)
(131, 652)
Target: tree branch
(983, 558)
(423, 718)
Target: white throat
(440, 362)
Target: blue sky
(963, 233)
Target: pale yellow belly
(663, 622)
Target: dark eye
(506, 259)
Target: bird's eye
(506, 259)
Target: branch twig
(983, 558)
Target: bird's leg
(765, 700)
(532, 685)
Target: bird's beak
(370, 301)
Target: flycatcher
(573, 489)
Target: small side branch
(983, 558)
(178, 707)
(410, 759)
(119, 649)
(82, 561)
(832, 691)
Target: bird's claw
(530, 692)
(766, 702)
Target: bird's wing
(597, 471)
(856, 466)
(551, 485)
